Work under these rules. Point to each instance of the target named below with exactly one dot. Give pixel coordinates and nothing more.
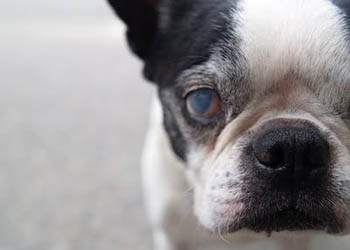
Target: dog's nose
(299, 150)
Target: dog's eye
(203, 103)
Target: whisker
(222, 237)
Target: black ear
(141, 18)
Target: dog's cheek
(218, 196)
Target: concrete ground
(73, 114)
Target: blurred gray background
(73, 114)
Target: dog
(249, 135)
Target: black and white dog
(252, 130)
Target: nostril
(271, 150)
(269, 156)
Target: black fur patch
(195, 27)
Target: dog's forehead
(306, 37)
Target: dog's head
(256, 100)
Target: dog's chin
(289, 220)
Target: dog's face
(256, 100)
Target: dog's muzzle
(287, 166)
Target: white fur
(307, 36)
(167, 195)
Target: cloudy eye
(203, 103)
